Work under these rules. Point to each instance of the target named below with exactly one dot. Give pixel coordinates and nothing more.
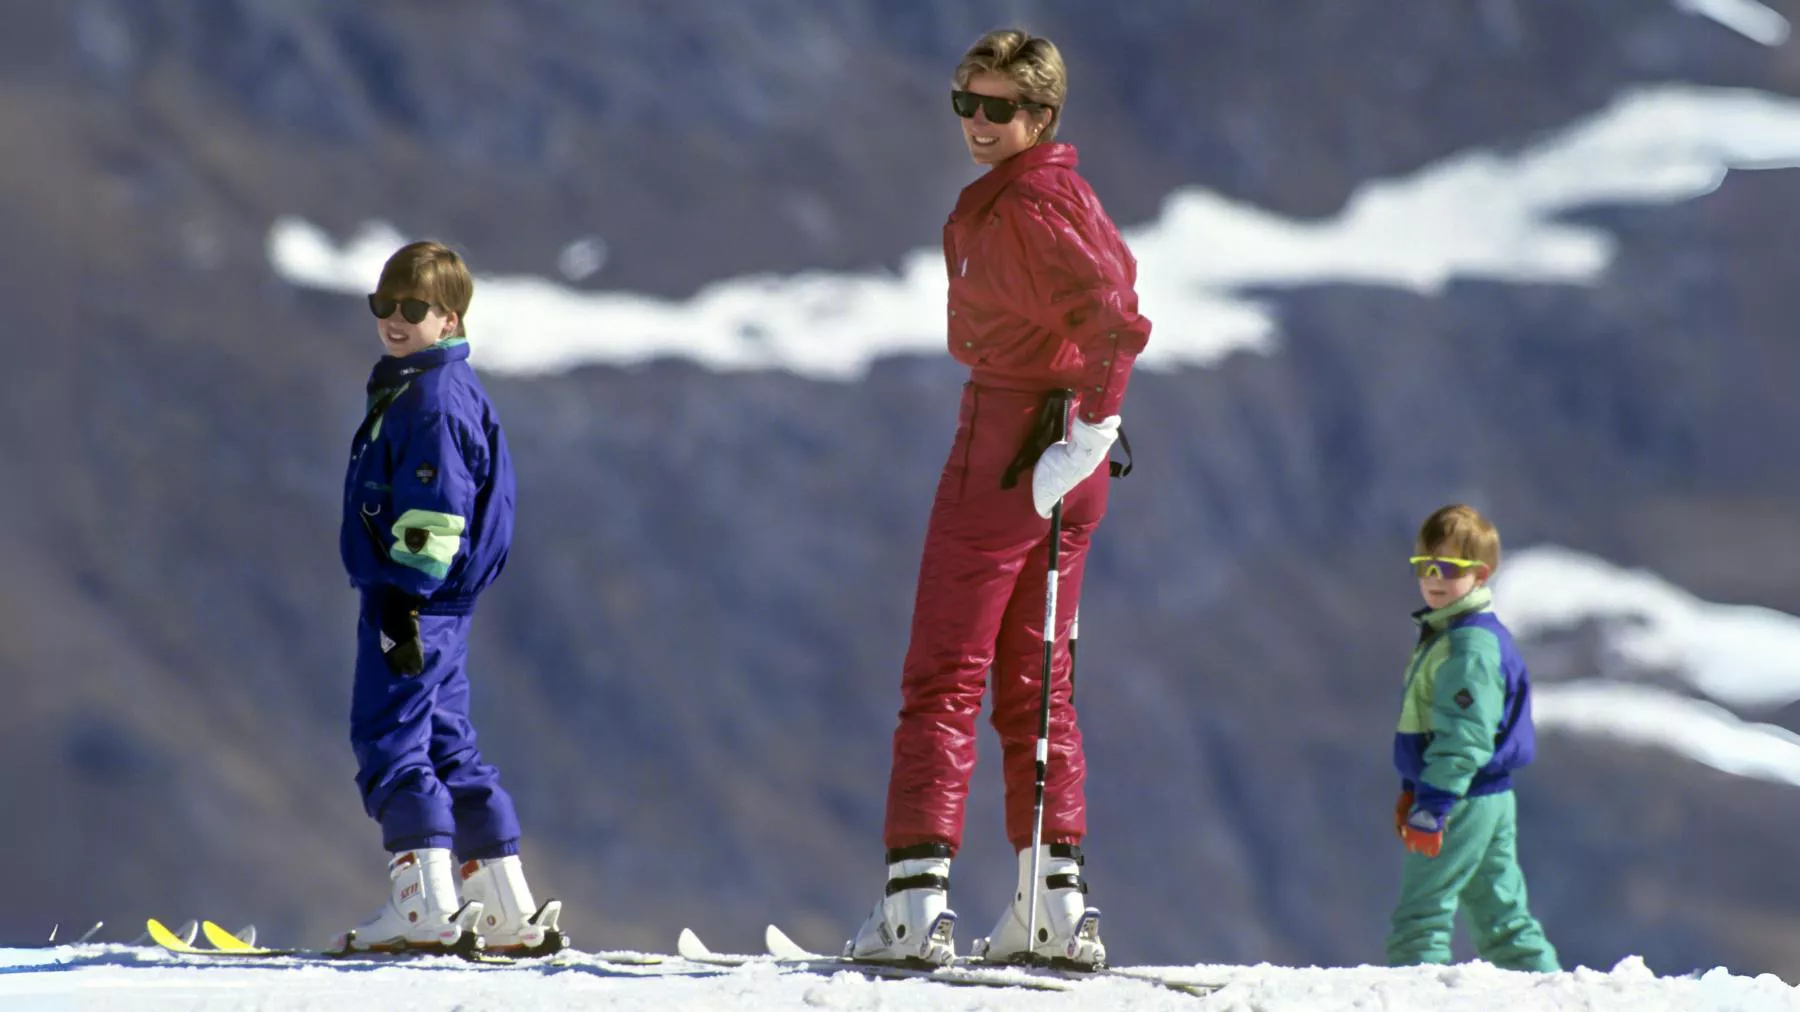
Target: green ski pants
(1477, 869)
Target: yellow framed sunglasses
(1442, 567)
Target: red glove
(1423, 832)
(1402, 809)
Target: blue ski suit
(428, 505)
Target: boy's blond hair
(1461, 532)
(433, 272)
(1031, 62)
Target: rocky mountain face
(689, 672)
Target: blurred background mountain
(689, 673)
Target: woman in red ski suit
(1041, 300)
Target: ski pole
(1074, 634)
(1043, 741)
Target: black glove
(400, 643)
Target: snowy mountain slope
(1475, 215)
(1743, 656)
(110, 977)
(1704, 732)
(688, 673)
(1754, 21)
(1654, 649)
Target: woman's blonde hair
(1031, 62)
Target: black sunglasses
(412, 310)
(998, 110)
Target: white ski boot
(510, 922)
(913, 922)
(421, 911)
(1068, 930)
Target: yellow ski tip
(166, 938)
(224, 940)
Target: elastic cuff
(422, 841)
(491, 852)
(1055, 841)
(1434, 800)
(920, 852)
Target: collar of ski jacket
(982, 192)
(1479, 599)
(391, 372)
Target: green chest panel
(1421, 683)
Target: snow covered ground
(1477, 214)
(117, 977)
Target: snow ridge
(1478, 214)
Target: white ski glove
(1067, 464)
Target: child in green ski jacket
(1465, 726)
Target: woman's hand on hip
(1067, 464)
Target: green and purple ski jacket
(1465, 713)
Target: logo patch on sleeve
(1464, 700)
(426, 473)
(417, 537)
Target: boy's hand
(1402, 808)
(400, 643)
(1423, 832)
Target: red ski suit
(1041, 299)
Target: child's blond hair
(433, 272)
(1461, 532)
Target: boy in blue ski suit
(428, 511)
(1465, 726)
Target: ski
(618, 957)
(784, 948)
(85, 935)
(186, 933)
(228, 941)
(229, 944)
(690, 948)
(1140, 973)
(224, 944)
